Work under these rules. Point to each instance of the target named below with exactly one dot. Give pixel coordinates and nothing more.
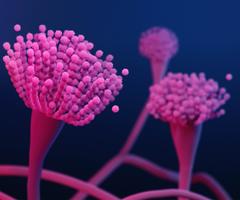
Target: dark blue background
(209, 35)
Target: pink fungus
(185, 102)
(186, 99)
(64, 65)
(125, 72)
(159, 45)
(229, 77)
(61, 81)
(115, 108)
(17, 27)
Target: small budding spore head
(55, 73)
(158, 44)
(186, 99)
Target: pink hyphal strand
(158, 45)
(115, 108)
(17, 27)
(98, 54)
(56, 74)
(185, 102)
(229, 77)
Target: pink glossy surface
(187, 99)
(44, 70)
(186, 140)
(58, 77)
(185, 102)
(44, 131)
(55, 73)
(158, 43)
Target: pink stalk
(172, 176)
(102, 174)
(134, 160)
(186, 140)
(152, 168)
(185, 102)
(4, 196)
(159, 69)
(137, 128)
(158, 45)
(58, 77)
(165, 193)
(209, 182)
(65, 180)
(44, 131)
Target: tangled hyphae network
(58, 77)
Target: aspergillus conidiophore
(186, 102)
(57, 76)
(159, 45)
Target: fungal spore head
(55, 73)
(158, 43)
(187, 99)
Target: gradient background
(209, 35)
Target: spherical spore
(125, 72)
(186, 99)
(158, 43)
(115, 108)
(17, 27)
(55, 73)
(229, 77)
